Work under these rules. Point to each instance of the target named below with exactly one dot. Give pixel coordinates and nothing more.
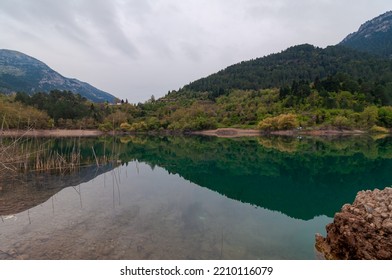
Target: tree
(22, 97)
(369, 116)
(385, 116)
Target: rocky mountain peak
(382, 23)
(374, 36)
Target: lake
(195, 197)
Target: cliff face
(362, 230)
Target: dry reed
(21, 155)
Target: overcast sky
(137, 48)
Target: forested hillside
(300, 63)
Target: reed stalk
(20, 157)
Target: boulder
(362, 230)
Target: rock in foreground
(362, 230)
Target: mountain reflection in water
(254, 198)
(302, 178)
(22, 192)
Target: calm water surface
(190, 198)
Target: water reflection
(22, 192)
(302, 178)
(33, 169)
(197, 198)
(151, 214)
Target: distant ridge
(374, 36)
(22, 73)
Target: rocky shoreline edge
(362, 230)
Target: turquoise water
(190, 198)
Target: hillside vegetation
(303, 87)
(300, 63)
(347, 86)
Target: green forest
(303, 87)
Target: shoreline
(220, 132)
(51, 133)
(229, 132)
(237, 132)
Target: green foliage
(385, 116)
(16, 115)
(368, 117)
(116, 118)
(59, 105)
(68, 110)
(153, 123)
(302, 86)
(269, 110)
(287, 121)
(139, 126)
(269, 124)
(199, 115)
(342, 122)
(297, 67)
(106, 127)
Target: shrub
(281, 122)
(341, 122)
(268, 124)
(379, 130)
(287, 121)
(139, 126)
(385, 116)
(125, 126)
(106, 126)
(153, 123)
(368, 117)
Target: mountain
(22, 73)
(302, 62)
(374, 36)
(362, 57)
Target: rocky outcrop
(374, 36)
(382, 23)
(362, 230)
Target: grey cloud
(104, 17)
(123, 43)
(45, 17)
